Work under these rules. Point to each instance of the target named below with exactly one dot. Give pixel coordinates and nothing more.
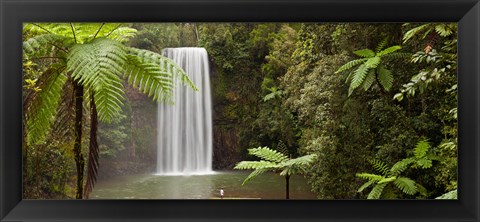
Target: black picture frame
(14, 12)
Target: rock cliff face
(225, 147)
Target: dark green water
(148, 186)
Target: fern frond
(366, 53)
(424, 163)
(42, 45)
(253, 165)
(412, 32)
(254, 174)
(98, 66)
(443, 30)
(400, 166)
(397, 55)
(282, 148)
(387, 180)
(150, 79)
(373, 62)
(381, 45)
(421, 149)
(350, 65)
(380, 166)
(41, 110)
(389, 50)
(367, 83)
(365, 185)
(376, 192)
(385, 78)
(359, 76)
(370, 177)
(166, 64)
(268, 154)
(297, 165)
(406, 185)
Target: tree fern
(150, 79)
(273, 160)
(254, 174)
(370, 67)
(167, 65)
(40, 112)
(394, 174)
(93, 55)
(351, 64)
(268, 154)
(43, 45)
(98, 65)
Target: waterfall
(184, 141)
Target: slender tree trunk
(77, 147)
(287, 186)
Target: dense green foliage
(353, 95)
(92, 58)
(273, 160)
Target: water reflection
(266, 186)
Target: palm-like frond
(397, 55)
(98, 65)
(380, 166)
(365, 185)
(43, 45)
(412, 32)
(358, 76)
(421, 149)
(149, 78)
(406, 185)
(42, 108)
(370, 177)
(253, 165)
(373, 62)
(350, 65)
(381, 44)
(166, 64)
(366, 53)
(389, 50)
(367, 83)
(268, 154)
(297, 166)
(377, 191)
(254, 174)
(385, 78)
(83, 32)
(400, 166)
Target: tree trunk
(77, 146)
(287, 186)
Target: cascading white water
(184, 141)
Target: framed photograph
(261, 110)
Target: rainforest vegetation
(361, 110)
